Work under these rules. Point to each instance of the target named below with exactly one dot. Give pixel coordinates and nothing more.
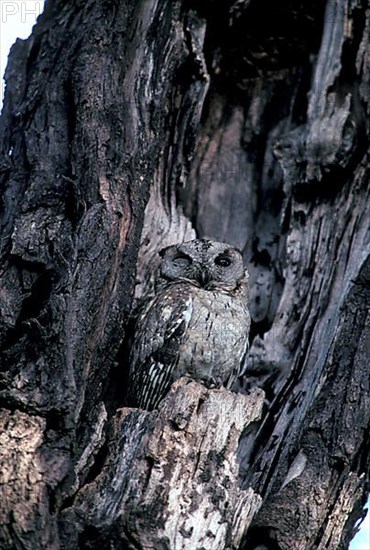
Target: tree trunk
(129, 126)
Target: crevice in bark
(122, 121)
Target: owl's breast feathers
(186, 330)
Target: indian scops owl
(196, 325)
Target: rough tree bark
(128, 126)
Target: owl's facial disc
(208, 264)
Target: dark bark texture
(131, 125)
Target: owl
(196, 325)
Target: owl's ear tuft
(163, 251)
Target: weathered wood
(22, 476)
(128, 126)
(170, 478)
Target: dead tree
(128, 126)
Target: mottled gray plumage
(197, 324)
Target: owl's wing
(159, 334)
(240, 366)
(239, 369)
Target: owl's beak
(203, 277)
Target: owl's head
(203, 263)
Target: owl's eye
(182, 259)
(223, 261)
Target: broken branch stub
(170, 480)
